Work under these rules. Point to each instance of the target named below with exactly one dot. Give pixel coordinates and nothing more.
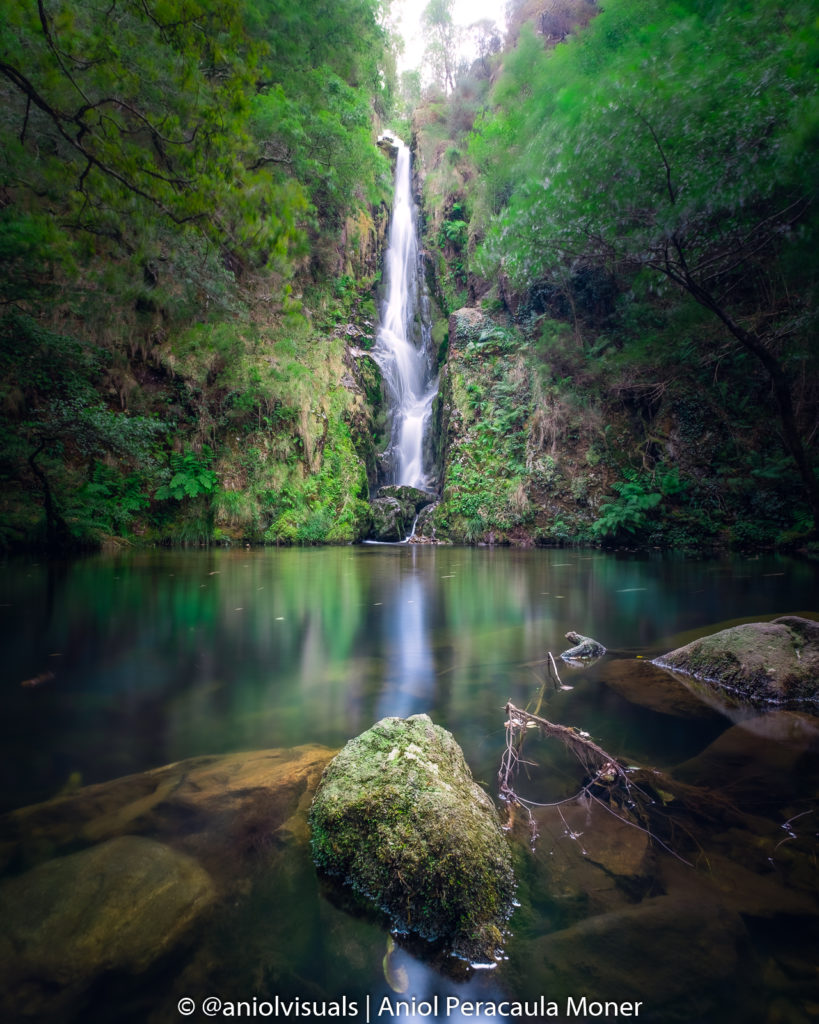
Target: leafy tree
(131, 106)
(442, 37)
(679, 141)
(487, 40)
(47, 382)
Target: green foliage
(629, 513)
(110, 503)
(666, 149)
(57, 424)
(485, 490)
(232, 121)
(657, 123)
(191, 476)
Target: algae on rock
(398, 816)
(761, 662)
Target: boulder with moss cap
(398, 816)
(760, 662)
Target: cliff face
(544, 444)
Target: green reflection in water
(133, 662)
(151, 658)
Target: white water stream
(402, 346)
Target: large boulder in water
(425, 526)
(762, 662)
(398, 816)
(394, 510)
(412, 499)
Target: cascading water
(402, 348)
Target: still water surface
(114, 665)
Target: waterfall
(402, 347)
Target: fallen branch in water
(607, 781)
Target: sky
(465, 12)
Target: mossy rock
(398, 816)
(412, 499)
(761, 662)
(389, 520)
(467, 325)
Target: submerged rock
(678, 957)
(398, 816)
(584, 647)
(643, 683)
(761, 763)
(111, 910)
(223, 810)
(762, 662)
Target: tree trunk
(779, 381)
(56, 529)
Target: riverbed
(117, 665)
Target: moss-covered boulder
(398, 816)
(762, 662)
(389, 520)
(412, 499)
(425, 525)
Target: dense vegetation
(188, 199)
(192, 214)
(639, 202)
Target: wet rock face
(425, 528)
(398, 816)
(762, 662)
(117, 907)
(412, 499)
(394, 511)
(389, 520)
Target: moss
(398, 816)
(760, 661)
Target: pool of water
(114, 665)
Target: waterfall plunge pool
(117, 665)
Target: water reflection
(409, 671)
(149, 659)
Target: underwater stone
(398, 817)
(113, 909)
